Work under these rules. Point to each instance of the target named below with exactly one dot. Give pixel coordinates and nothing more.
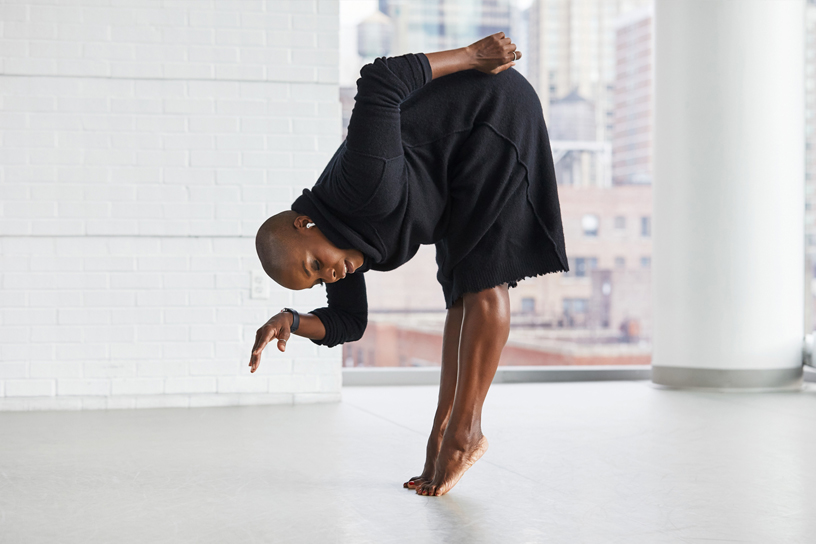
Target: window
(646, 226)
(589, 224)
(574, 306)
(592, 103)
(585, 264)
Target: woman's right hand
(493, 54)
(277, 327)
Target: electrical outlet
(259, 284)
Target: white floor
(568, 462)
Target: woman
(448, 148)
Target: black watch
(295, 319)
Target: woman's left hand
(493, 54)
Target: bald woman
(446, 148)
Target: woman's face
(313, 259)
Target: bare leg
(447, 390)
(485, 328)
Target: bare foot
(432, 451)
(451, 464)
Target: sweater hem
(479, 280)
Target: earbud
(310, 225)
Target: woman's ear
(303, 222)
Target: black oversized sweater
(463, 162)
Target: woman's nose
(333, 274)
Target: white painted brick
(240, 37)
(213, 124)
(81, 352)
(242, 142)
(137, 386)
(243, 384)
(55, 369)
(214, 158)
(241, 107)
(190, 385)
(328, 7)
(135, 351)
(159, 167)
(190, 105)
(99, 333)
(13, 370)
(189, 315)
(109, 369)
(187, 350)
(213, 19)
(181, 70)
(217, 333)
(216, 367)
(267, 21)
(83, 387)
(30, 388)
(266, 125)
(163, 368)
(153, 55)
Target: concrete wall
(143, 142)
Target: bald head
(274, 243)
(297, 255)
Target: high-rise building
(632, 129)
(572, 47)
(435, 25)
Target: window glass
(591, 64)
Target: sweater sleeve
(346, 316)
(374, 127)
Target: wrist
(468, 56)
(295, 324)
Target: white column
(728, 222)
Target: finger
(283, 337)
(499, 34)
(265, 336)
(257, 343)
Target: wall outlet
(259, 284)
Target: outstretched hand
(493, 54)
(277, 327)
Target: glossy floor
(568, 462)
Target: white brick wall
(143, 142)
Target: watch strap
(295, 319)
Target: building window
(583, 265)
(528, 305)
(589, 224)
(645, 262)
(620, 222)
(574, 306)
(646, 226)
(620, 262)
